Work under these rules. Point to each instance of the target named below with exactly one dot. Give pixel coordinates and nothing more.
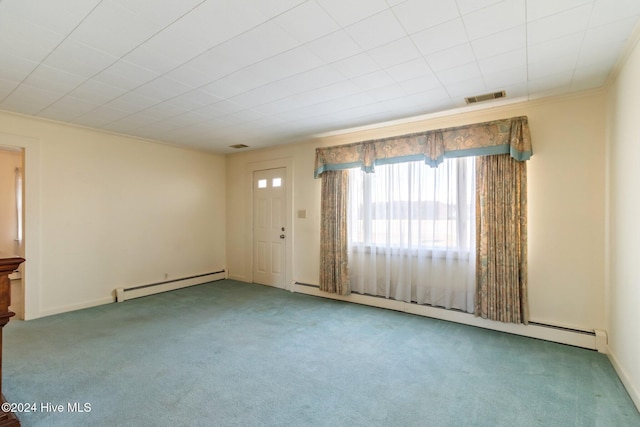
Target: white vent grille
(485, 97)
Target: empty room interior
(214, 196)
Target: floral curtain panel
(501, 234)
(508, 136)
(334, 266)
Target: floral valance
(508, 136)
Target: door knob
(282, 236)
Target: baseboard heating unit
(593, 340)
(123, 294)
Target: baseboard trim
(72, 307)
(238, 278)
(583, 339)
(634, 393)
(123, 294)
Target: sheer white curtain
(412, 233)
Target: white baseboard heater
(594, 340)
(123, 294)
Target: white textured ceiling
(213, 73)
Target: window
(412, 233)
(411, 205)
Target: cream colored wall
(624, 225)
(105, 211)
(9, 161)
(566, 204)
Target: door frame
(287, 164)
(32, 218)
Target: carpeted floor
(235, 354)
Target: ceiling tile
(543, 8)
(156, 113)
(213, 22)
(421, 84)
(502, 78)
(441, 37)
(50, 78)
(452, 57)
(615, 32)
(562, 64)
(312, 79)
(505, 61)
(553, 84)
(190, 75)
(217, 109)
(15, 68)
(462, 73)
(562, 46)
(97, 29)
(349, 12)
(275, 8)
(495, 18)
(373, 80)
(262, 95)
(417, 15)
(125, 75)
(198, 98)
(286, 64)
(376, 30)
(467, 87)
(67, 108)
(164, 52)
(608, 11)
(498, 43)
(604, 43)
(307, 22)
(160, 14)
(394, 53)
(334, 46)
(437, 99)
(469, 6)
(207, 67)
(356, 65)
(257, 44)
(132, 102)
(409, 70)
(6, 87)
(162, 88)
(100, 116)
(386, 93)
(590, 76)
(61, 16)
(29, 99)
(513, 91)
(94, 91)
(555, 26)
(79, 58)
(235, 84)
(26, 39)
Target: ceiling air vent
(239, 146)
(485, 97)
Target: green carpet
(234, 354)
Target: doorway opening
(12, 218)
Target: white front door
(269, 234)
